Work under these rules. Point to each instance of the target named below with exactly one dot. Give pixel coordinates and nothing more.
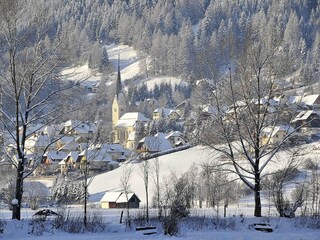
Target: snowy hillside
(180, 162)
(130, 69)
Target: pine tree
(104, 61)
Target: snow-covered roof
(308, 100)
(174, 134)
(38, 140)
(71, 145)
(163, 111)
(129, 119)
(266, 100)
(156, 143)
(109, 147)
(304, 115)
(123, 198)
(110, 196)
(118, 197)
(273, 130)
(74, 155)
(65, 139)
(81, 127)
(55, 155)
(96, 155)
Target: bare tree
(145, 172)
(277, 181)
(156, 181)
(247, 101)
(36, 194)
(125, 185)
(29, 76)
(312, 203)
(218, 186)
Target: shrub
(171, 226)
(72, 221)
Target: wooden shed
(119, 200)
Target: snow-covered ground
(81, 74)
(179, 162)
(129, 60)
(130, 69)
(239, 228)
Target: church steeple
(118, 84)
(119, 105)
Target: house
(50, 161)
(78, 128)
(233, 110)
(154, 144)
(307, 119)
(165, 113)
(176, 139)
(100, 157)
(119, 200)
(69, 162)
(116, 151)
(130, 122)
(184, 108)
(265, 104)
(39, 143)
(96, 158)
(275, 134)
(67, 144)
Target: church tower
(119, 105)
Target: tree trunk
(147, 201)
(16, 211)
(257, 199)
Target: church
(127, 127)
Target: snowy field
(236, 228)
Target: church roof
(129, 119)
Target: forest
(189, 38)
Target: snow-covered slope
(129, 60)
(180, 162)
(81, 74)
(130, 68)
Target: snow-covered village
(147, 119)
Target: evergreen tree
(186, 49)
(104, 61)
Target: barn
(119, 200)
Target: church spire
(118, 86)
